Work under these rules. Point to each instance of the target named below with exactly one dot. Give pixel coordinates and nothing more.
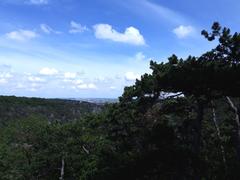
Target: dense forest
(181, 122)
(60, 110)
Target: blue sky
(78, 48)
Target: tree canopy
(181, 121)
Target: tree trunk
(218, 134)
(197, 140)
(62, 170)
(235, 109)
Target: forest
(180, 122)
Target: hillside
(12, 107)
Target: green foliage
(59, 110)
(175, 123)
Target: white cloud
(92, 86)
(3, 81)
(183, 31)
(131, 35)
(140, 56)
(4, 77)
(48, 30)
(103, 79)
(113, 87)
(38, 2)
(21, 35)
(100, 78)
(80, 84)
(45, 28)
(36, 79)
(75, 82)
(131, 76)
(20, 85)
(48, 71)
(157, 11)
(77, 28)
(86, 86)
(32, 89)
(78, 81)
(70, 75)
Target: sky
(94, 48)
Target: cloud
(131, 76)
(21, 35)
(140, 56)
(48, 30)
(33, 86)
(156, 12)
(80, 84)
(131, 35)
(77, 28)
(70, 75)
(36, 79)
(4, 77)
(47, 78)
(5, 68)
(112, 87)
(48, 71)
(38, 2)
(20, 86)
(103, 79)
(3, 81)
(77, 81)
(92, 86)
(86, 86)
(183, 31)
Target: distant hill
(12, 107)
(96, 100)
